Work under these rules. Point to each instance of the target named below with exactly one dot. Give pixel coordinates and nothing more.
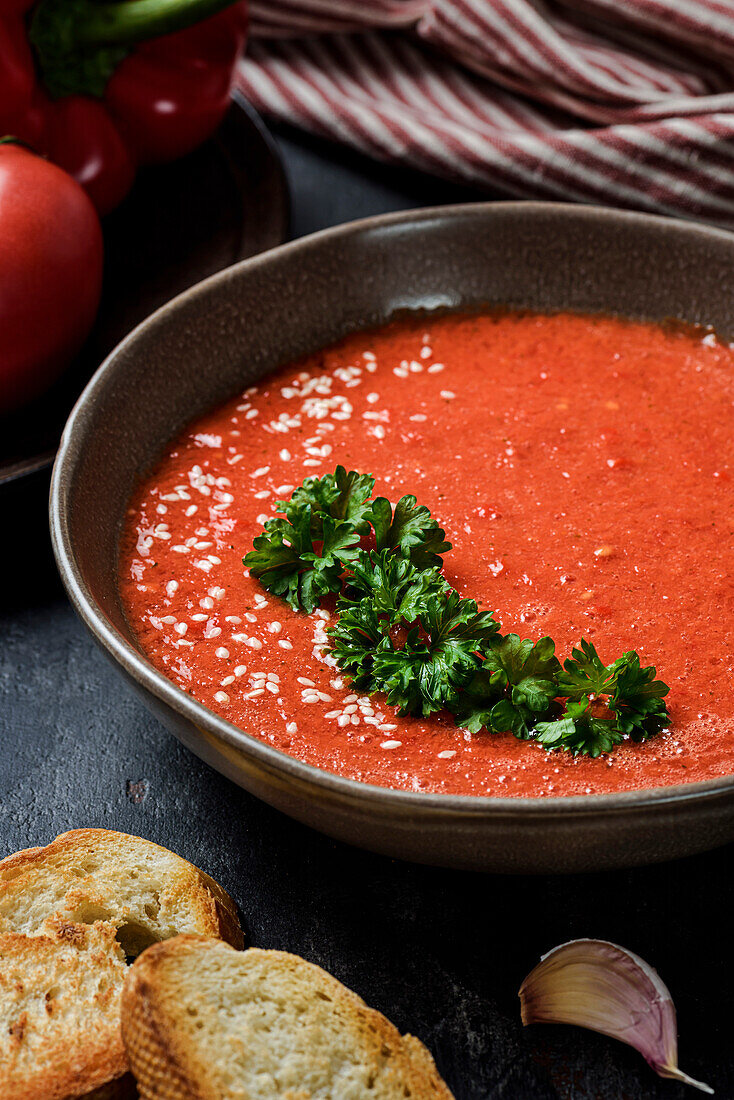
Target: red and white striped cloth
(627, 102)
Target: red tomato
(50, 272)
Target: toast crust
(178, 1031)
(70, 913)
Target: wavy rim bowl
(416, 807)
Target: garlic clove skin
(601, 986)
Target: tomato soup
(582, 469)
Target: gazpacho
(580, 467)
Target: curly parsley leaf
(287, 563)
(422, 665)
(585, 673)
(473, 707)
(410, 529)
(632, 695)
(345, 496)
(517, 684)
(638, 698)
(355, 637)
(579, 732)
(397, 589)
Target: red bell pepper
(102, 86)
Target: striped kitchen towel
(627, 102)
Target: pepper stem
(80, 43)
(127, 22)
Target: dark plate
(181, 222)
(236, 327)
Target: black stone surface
(441, 953)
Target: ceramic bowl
(238, 325)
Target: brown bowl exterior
(236, 326)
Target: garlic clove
(603, 987)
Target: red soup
(582, 469)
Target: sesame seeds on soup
(581, 467)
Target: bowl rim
(407, 803)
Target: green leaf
(638, 698)
(397, 589)
(585, 674)
(437, 654)
(341, 495)
(578, 732)
(287, 564)
(356, 636)
(472, 708)
(411, 530)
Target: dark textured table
(441, 953)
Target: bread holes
(88, 913)
(153, 908)
(134, 938)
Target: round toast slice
(201, 1021)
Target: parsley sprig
(402, 630)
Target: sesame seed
(448, 395)
(181, 628)
(254, 643)
(221, 652)
(226, 681)
(275, 627)
(436, 368)
(390, 744)
(199, 618)
(221, 696)
(240, 670)
(171, 587)
(305, 682)
(273, 688)
(447, 754)
(386, 726)
(284, 455)
(332, 714)
(284, 643)
(291, 728)
(343, 720)
(351, 709)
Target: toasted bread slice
(59, 1014)
(203, 1022)
(72, 915)
(145, 891)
